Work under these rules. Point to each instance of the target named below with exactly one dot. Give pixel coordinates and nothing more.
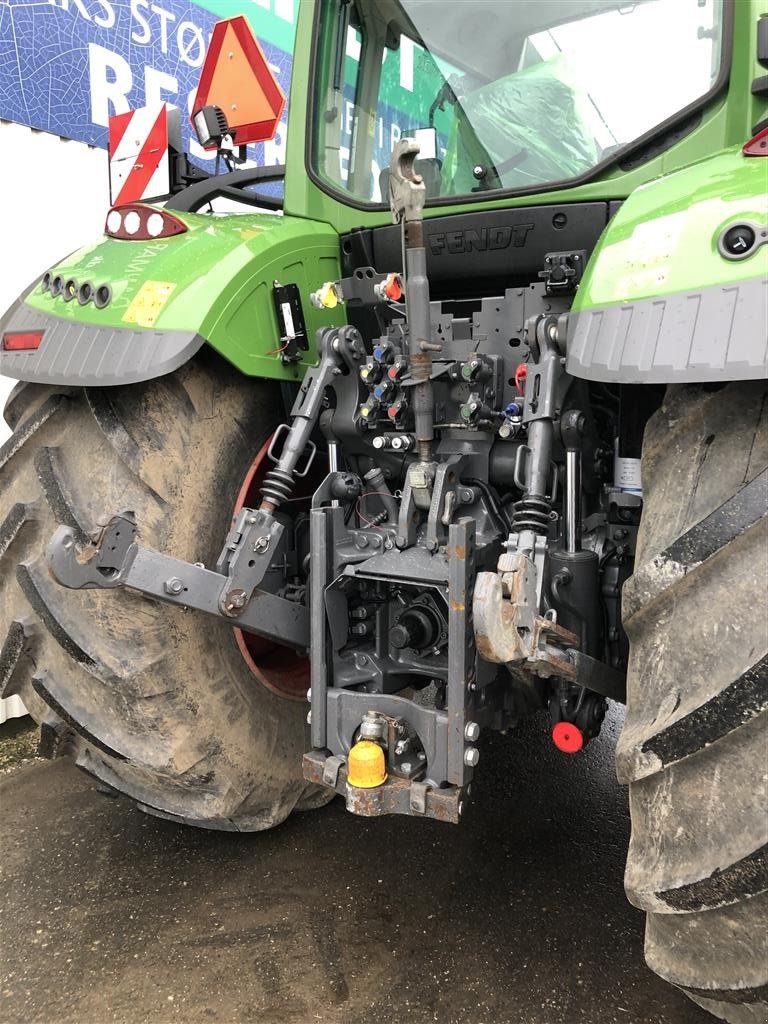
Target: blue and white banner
(67, 65)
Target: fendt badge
(456, 242)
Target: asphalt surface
(517, 916)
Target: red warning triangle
(757, 146)
(237, 78)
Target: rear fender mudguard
(662, 300)
(212, 284)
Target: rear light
(22, 341)
(758, 145)
(139, 223)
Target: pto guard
(168, 297)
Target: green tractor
(377, 447)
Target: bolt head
(405, 767)
(471, 731)
(173, 585)
(309, 695)
(309, 718)
(471, 756)
(233, 601)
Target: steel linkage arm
(119, 561)
(233, 591)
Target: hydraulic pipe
(572, 510)
(333, 464)
(420, 338)
(333, 456)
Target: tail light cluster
(140, 223)
(68, 288)
(22, 341)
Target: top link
(407, 191)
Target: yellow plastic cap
(328, 296)
(366, 767)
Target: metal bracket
(395, 796)
(408, 519)
(247, 554)
(118, 561)
(598, 677)
(508, 628)
(115, 552)
(445, 499)
(331, 770)
(419, 797)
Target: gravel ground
(515, 917)
(19, 738)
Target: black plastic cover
(290, 319)
(470, 254)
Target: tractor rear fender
(676, 290)
(166, 298)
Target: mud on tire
(694, 749)
(155, 701)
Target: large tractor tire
(694, 749)
(157, 702)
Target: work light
(210, 126)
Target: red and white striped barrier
(139, 153)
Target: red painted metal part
(567, 737)
(278, 668)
